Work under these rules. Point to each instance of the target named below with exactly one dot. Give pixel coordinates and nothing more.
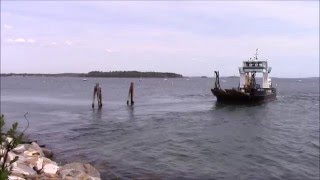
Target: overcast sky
(190, 38)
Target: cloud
(109, 50)
(17, 40)
(53, 43)
(21, 40)
(31, 41)
(6, 26)
(10, 40)
(68, 42)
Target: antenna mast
(256, 54)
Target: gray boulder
(78, 170)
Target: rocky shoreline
(34, 162)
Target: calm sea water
(175, 130)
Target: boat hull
(236, 96)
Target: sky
(192, 38)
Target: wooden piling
(97, 92)
(130, 95)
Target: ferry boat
(248, 90)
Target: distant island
(110, 74)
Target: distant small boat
(84, 79)
(299, 80)
(165, 79)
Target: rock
(32, 177)
(21, 158)
(47, 153)
(82, 177)
(48, 161)
(20, 148)
(9, 139)
(90, 170)
(33, 149)
(2, 152)
(31, 153)
(3, 142)
(78, 171)
(31, 161)
(42, 177)
(11, 156)
(69, 173)
(17, 174)
(51, 176)
(39, 164)
(11, 177)
(23, 169)
(34, 162)
(50, 168)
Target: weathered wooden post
(130, 95)
(94, 94)
(99, 97)
(97, 92)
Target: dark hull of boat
(238, 97)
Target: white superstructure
(251, 67)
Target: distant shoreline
(126, 74)
(111, 74)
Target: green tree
(8, 141)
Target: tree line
(132, 74)
(118, 74)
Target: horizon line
(183, 76)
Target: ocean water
(175, 130)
